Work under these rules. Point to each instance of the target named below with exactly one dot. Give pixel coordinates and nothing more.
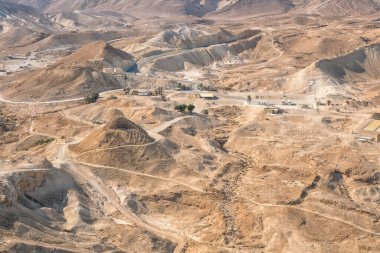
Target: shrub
(180, 108)
(190, 108)
(112, 97)
(205, 111)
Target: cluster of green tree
(182, 108)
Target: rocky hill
(75, 75)
(362, 64)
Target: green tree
(190, 108)
(92, 98)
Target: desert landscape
(189, 126)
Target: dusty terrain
(130, 173)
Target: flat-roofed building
(273, 110)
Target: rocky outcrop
(205, 56)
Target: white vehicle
(288, 102)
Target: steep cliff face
(362, 64)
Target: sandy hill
(75, 75)
(100, 55)
(123, 144)
(95, 114)
(118, 132)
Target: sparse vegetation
(44, 141)
(92, 98)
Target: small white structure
(207, 96)
(365, 139)
(113, 70)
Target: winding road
(144, 175)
